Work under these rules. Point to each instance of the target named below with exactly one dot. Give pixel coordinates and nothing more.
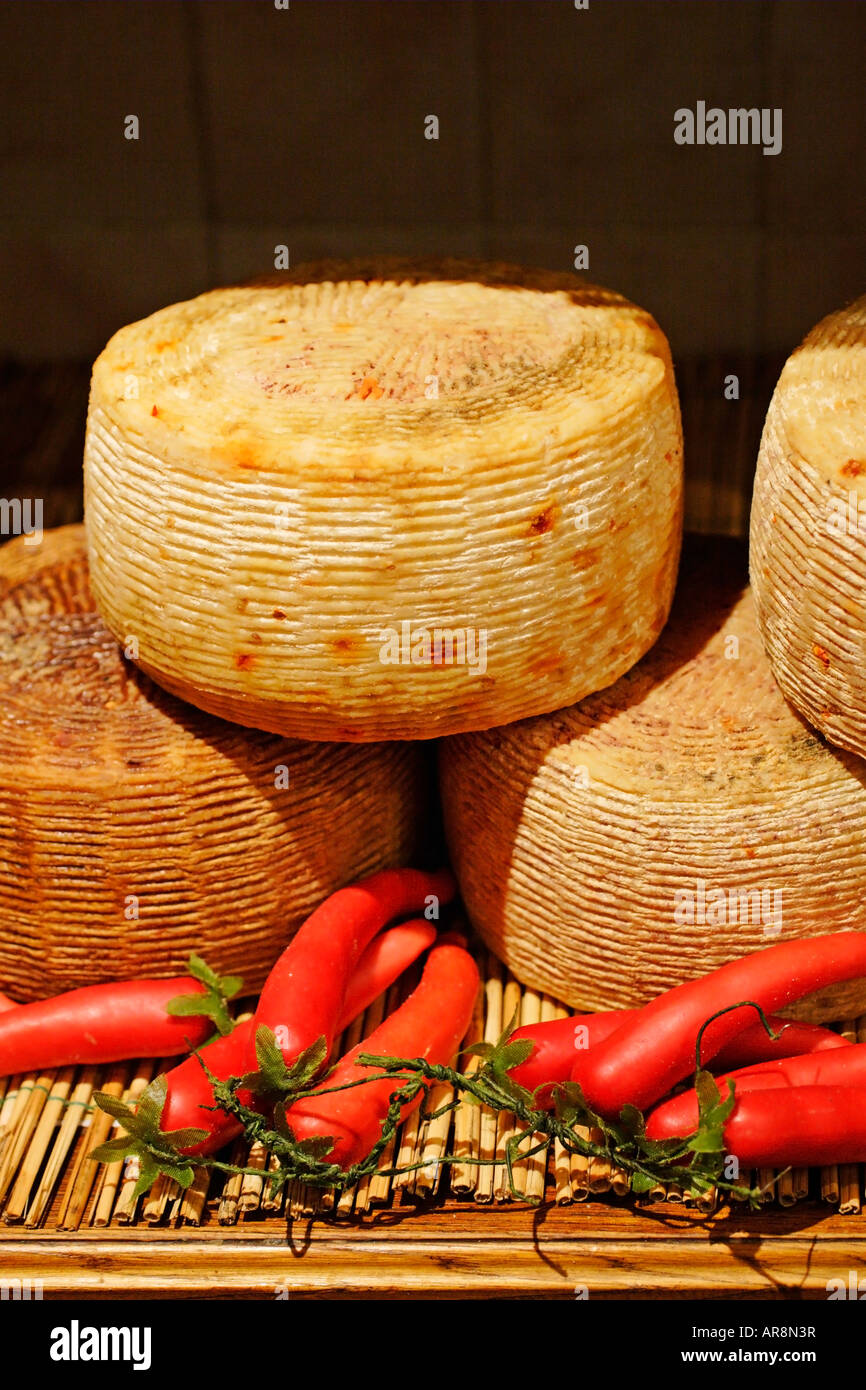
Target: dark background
(261, 126)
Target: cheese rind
(682, 818)
(135, 830)
(808, 529)
(383, 500)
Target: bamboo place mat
(75, 1222)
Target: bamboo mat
(48, 1126)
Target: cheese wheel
(684, 817)
(386, 500)
(808, 529)
(134, 830)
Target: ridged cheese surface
(808, 529)
(289, 483)
(135, 829)
(654, 831)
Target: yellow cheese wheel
(684, 817)
(134, 830)
(808, 529)
(386, 500)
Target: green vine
(695, 1163)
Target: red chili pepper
(302, 998)
(383, 962)
(802, 1125)
(557, 1042)
(356, 915)
(649, 1054)
(754, 1045)
(6, 1004)
(100, 1023)
(840, 1067)
(431, 1023)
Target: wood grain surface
(458, 1251)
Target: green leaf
(148, 1174)
(641, 1182)
(273, 1077)
(213, 1002)
(632, 1121)
(708, 1139)
(189, 1006)
(114, 1149)
(151, 1104)
(113, 1105)
(183, 1138)
(317, 1147)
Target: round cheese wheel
(386, 500)
(134, 830)
(683, 818)
(808, 529)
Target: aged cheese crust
(682, 818)
(290, 483)
(808, 529)
(134, 829)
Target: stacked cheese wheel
(386, 500)
(808, 529)
(134, 829)
(681, 818)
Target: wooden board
(457, 1250)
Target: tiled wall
(305, 126)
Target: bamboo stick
(535, 1168)
(252, 1185)
(830, 1184)
(10, 1096)
(112, 1173)
(493, 990)
(433, 1140)
(785, 1188)
(85, 1171)
(506, 1127)
(193, 1201)
(767, 1181)
(849, 1173)
(385, 1004)
(410, 1138)
(32, 1094)
(620, 1182)
(272, 1201)
(125, 1206)
(49, 1119)
(562, 1175)
(599, 1174)
(161, 1197)
(227, 1212)
(467, 1118)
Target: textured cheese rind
(808, 529)
(110, 789)
(571, 834)
(259, 514)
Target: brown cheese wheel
(386, 500)
(808, 529)
(680, 819)
(134, 830)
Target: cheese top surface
(821, 397)
(374, 362)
